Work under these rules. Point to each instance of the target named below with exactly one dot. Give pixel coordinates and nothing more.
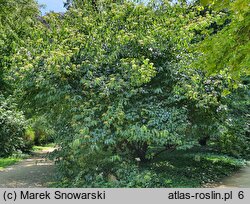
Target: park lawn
(5, 162)
(43, 148)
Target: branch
(168, 148)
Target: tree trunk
(203, 141)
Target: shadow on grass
(192, 168)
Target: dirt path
(239, 180)
(34, 172)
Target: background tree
(16, 21)
(224, 54)
(228, 50)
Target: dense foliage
(118, 84)
(16, 19)
(108, 80)
(12, 126)
(228, 50)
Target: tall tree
(16, 21)
(228, 50)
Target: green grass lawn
(43, 148)
(5, 162)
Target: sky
(52, 5)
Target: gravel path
(240, 179)
(35, 172)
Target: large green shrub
(114, 81)
(108, 81)
(12, 128)
(235, 139)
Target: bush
(112, 84)
(235, 139)
(29, 139)
(12, 128)
(43, 132)
(114, 91)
